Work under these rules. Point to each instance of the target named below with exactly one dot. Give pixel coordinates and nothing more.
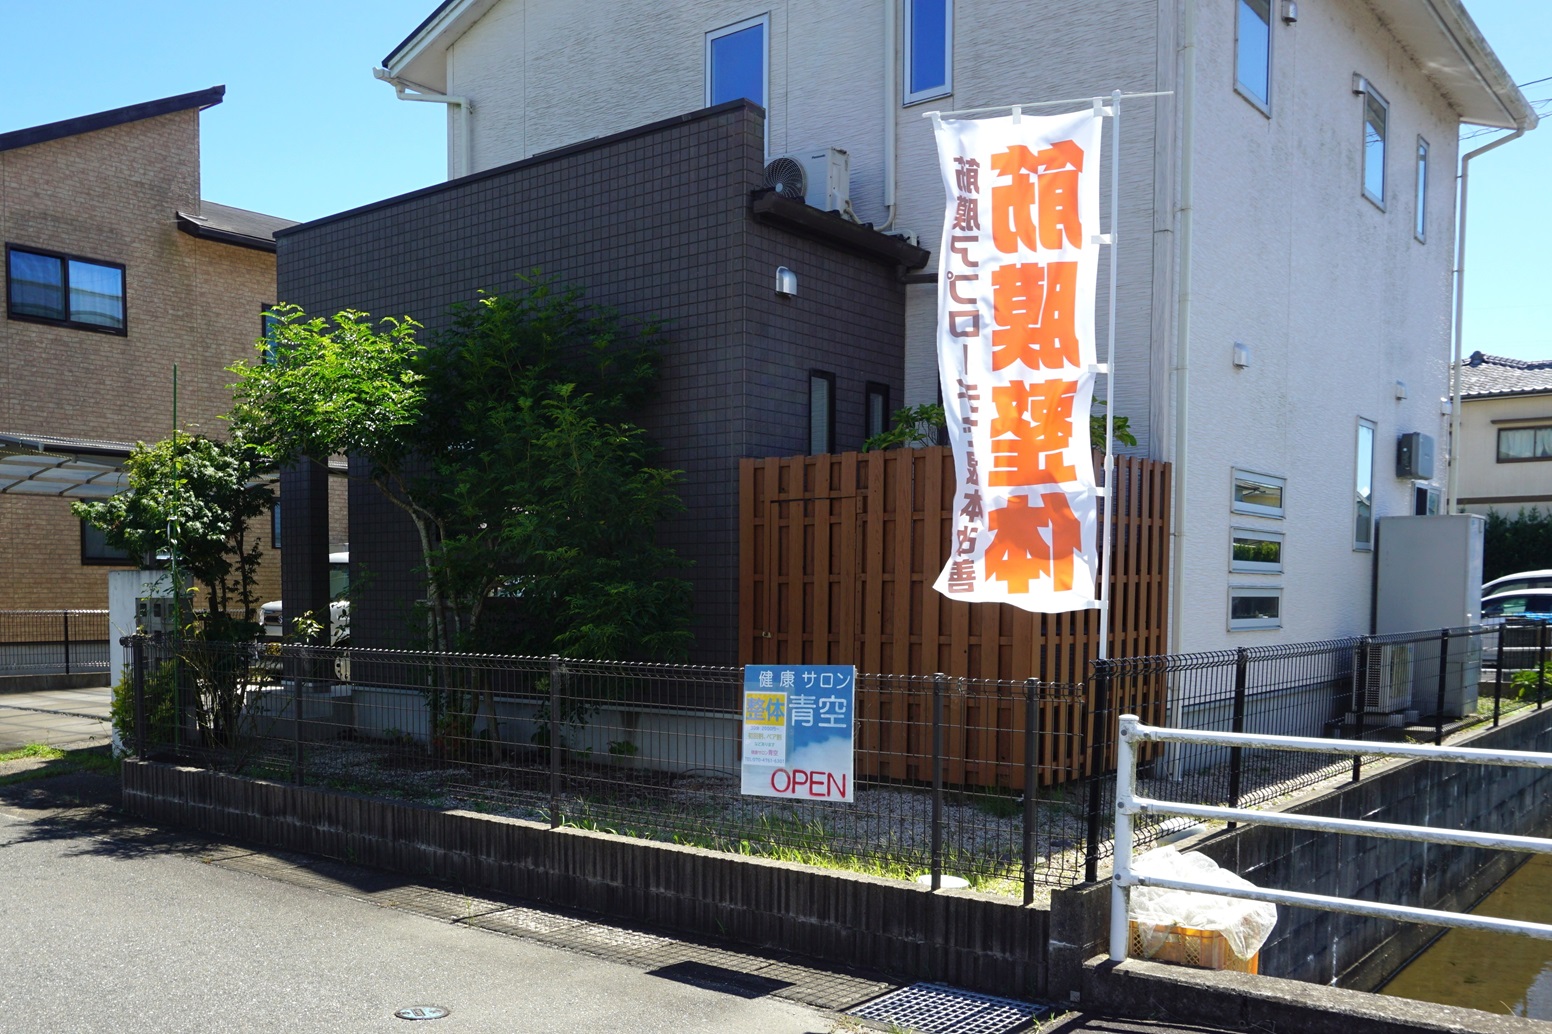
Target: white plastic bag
(1244, 924)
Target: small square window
(1253, 52)
(1253, 607)
(1259, 552)
(1259, 494)
(95, 550)
(929, 49)
(736, 64)
(44, 287)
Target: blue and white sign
(798, 740)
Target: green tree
(194, 498)
(1519, 543)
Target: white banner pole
(1107, 576)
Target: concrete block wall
(898, 929)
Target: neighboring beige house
(116, 271)
(1286, 224)
(1505, 435)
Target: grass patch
(57, 762)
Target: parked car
(1522, 580)
(1518, 607)
(339, 606)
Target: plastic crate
(1204, 949)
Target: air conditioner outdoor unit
(1387, 684)
(820, 177)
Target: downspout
(465, 106)
(1183, 323)
(891, 86)
(1460, 308)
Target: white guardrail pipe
(1129, 804)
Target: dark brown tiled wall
(655, 223)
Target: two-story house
(116, 271)
(1505, 435)
(1285, 228)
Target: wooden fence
(838, 554)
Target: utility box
(1429, 577)
(1414, 456)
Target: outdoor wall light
(786, 282)
(1241, 355)
(1401, 392)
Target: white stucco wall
(1484, 483)
(1335, 298)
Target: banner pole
(1107, 577)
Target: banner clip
(1100, 111)
(1099, 368)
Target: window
(96, 551)
(1421, 226)
(877, 415)
(274, 525)
(821, 412)
(929, 49)
(1518, 444)
(1252, 607)
(1376, 114)
(1253, 52)
(735, 62)
(1259, 494)
(45, 287)
(1363, 512)
(267, 324)
(1255, 551)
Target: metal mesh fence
(53, 642)
(1007, 784)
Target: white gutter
(1177, 529)
(1460, 311)
(462, 152)
(891, 85)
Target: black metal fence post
(1541, 662)
(65, 615)
(1498, 675)
(1444, 670)
(937, 779)
(1237, 724)
(1361, 697)
(1099, 731)
(137, 668)
(297, 759)
(1031, 775)
(554, 731)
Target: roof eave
(419, 57)
(1453, 53)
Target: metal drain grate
(936, 1009)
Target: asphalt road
(51, 716)
(104, 934)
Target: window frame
(1255, 566)
(1244, 89)
(1266, 592)
(1363, 543)
(65, 258)
(1533, 428)
(1420, 222)
(91, 559)
(828, 378)
(880, 391)
(1373, 96)
(712, 35)
(274, 524)
(1257, 509)
(907, 50)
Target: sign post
(798, 738)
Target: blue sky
(305, 130)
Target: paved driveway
(62, 717)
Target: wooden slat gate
(838, 554)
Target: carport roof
(71, 468)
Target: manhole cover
(936, 1009)
(422, 1012)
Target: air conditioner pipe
(402, 87)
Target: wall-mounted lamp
(1401, 392)
(1290, 12)
(1241, 355)
(786, 282)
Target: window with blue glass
(1253, 52)
(48, 287)
(736, 65)
(929, 49)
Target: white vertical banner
(1016, 357)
